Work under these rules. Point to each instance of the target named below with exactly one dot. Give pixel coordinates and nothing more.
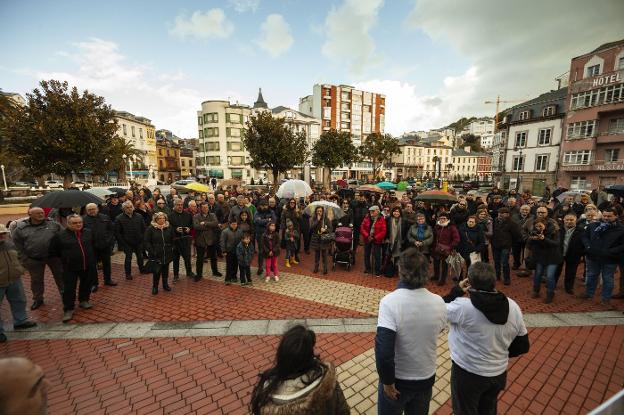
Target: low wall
(14, 209)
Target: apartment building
(468, 165)
(422, 158)
(592, 151)
(140, 132)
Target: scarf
(161, 227)
(420, 231)
(444, 225)
(603, 227)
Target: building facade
(465, 164)
(220, 129)
(140, 132)
(168, 160)
(534, 129)
(422, 158)
(592, 151)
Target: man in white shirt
(485, 331)
(410, 320)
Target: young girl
(270, 248)
(291, 235)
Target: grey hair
(481, 276)
(127, 203)
(413, 268)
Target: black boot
(154, 290)
(165, 283)
(316, 268)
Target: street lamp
(4, 178)
(520, 163)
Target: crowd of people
(547, 236)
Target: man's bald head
(23, 387)
(91, 209)
(36, 214)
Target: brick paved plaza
(199, 348)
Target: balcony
(596, 165)
(611, 136)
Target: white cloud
(348, 38)
(275, 35)
(518, 47)
(243, 6)
(407, 109)
(203, 25)
(162, 97)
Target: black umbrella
(616, 189)
(119, 190)
(66, 199)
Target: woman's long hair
(295, 357)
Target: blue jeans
(501, 260)
(551, 273)
(17, 300)
(375, 250)
(414, 398)
(594, 270)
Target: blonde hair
(159, 215)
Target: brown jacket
(10, 267)
(324, 399)
(205, 229)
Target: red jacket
(445, 240)
(379, 232)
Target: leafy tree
(13, 169)
(473, 141)
(334, 149)
(273, 145)
(378, 148)
(61, 131)
(116, 162)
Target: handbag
(152, 265)
(475, 257)
(328, 237)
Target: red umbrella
(341, 183)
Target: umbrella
(332, 210)
(294, 188)
(369, 188)
(100, 192)
(436, 196)
(402, 185)
(573, 193)
(198, 187)
(118, 190)
(66, 199)
(387, 185)
(341, 183)
(616, 189)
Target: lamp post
(520, 163)
(4, 178)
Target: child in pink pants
(271, 248)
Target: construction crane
(498, 102)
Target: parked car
(80, 185)
(24, 184)
(470, 185)
(53, 184)
(180, 185)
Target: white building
(422, 158)
(480, 127)
(140, 132)
(465, 164)
(486, 141)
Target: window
(518, 163)
(190, 163)
(132, 128)
(582, 129)
(612, 154)
(212, 146)
(578, 183)
(200, 120)
(211, 132)
(604, 95)
(183, 164)
(327, 112)
(593, 71)
(237, 161)
(233, 118)
(234, 146)
(520, 139)
(543, 136)
(620, 64)
(141, 133)
(581, 157)
(524, 115)
(125, 131)
(541, 162)
(211, 117)
(201, 133)
(616, 126)
(232, 132)
(549, 111)
(213, 160)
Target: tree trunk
(67, 180)
(275, 177)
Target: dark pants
(356, 238)
(440, 269)
(571, 266)
(138, 251)
(485, 254)
(182, 248)
(516, 249)
(318, 255)
(307, 237)
(414, 398)
(501, 261)
(473, 394)
(231, 266)
(212, 254)
(36, 269)
(160, 271)
(70, 280)
(260, 254)
(103, 255)
(373, 249)
(245, 273)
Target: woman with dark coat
(299, 383)
(292, 212)
(396, 235)
(320, 225)
(446, 239)
(471, 239)
(158, 243)
(545, 251)
(420, 235)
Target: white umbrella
(575, 193)
(100, 192)
(294, 188)
(336, 211)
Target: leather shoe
(36, 304)
(154, 290)
(68, 315)
(166, 288)
(217, 274)
(25, 325)
(110, 283)
(128, 277)
(94, 288)
(86, 305)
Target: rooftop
(282, 108)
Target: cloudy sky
(436, 60)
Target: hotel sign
(598, 81)
(606, 80)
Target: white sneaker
(267, 279)
(276, 278)
(68, 315)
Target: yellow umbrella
(198, 187)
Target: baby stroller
(343, 252)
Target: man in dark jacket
(103, 233)
(572, 249)
(261, 220)
(181, 222)
(604, 246)
(505, 231)
(459, 213)
(206, 226)
(129, 231)
(114, 207)
(230, 238)
(520, 217)
(74, 246)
